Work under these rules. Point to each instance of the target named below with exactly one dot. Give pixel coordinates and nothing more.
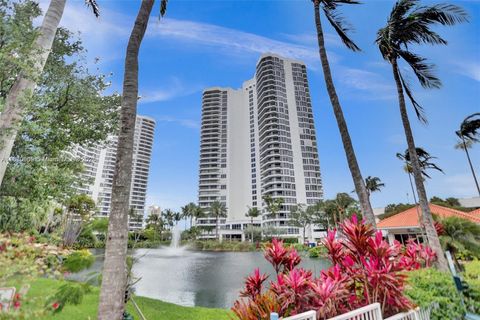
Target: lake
(198, 278)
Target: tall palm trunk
(427, 219)
(470, 163)
(360, 188)
(112, 294)
(12, 115)
(252, 229)
(216, 229)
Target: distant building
(473, 202)
(259, 140)
(99, 161)
(405, 225)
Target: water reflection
(209, 279)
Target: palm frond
(333, 4)
(422, 70)
(341, 27)
(94, 5)
(419, 111)
(470, 128)
(163, 7)
(444, 14)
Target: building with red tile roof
(405, 224)
(475, 213)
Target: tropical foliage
(461, 237)
(365, 269)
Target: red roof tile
(475, 213)
(409, 218)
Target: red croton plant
(365, 269)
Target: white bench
(370, 312)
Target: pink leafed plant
(365, 269)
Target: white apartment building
(99, 162)
(259, 140)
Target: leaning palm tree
(218, 210)
(114, 275)
(469, 133)
(373, 184)
(253, 212)
(15, 105)
(410, 24)
(329, 8)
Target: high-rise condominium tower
(99, 161)
(259, 140)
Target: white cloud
(372, 85)
(468, 68)
(459, 185)
(174, 89)
(188, 123)
(311, 40)
(235, 41)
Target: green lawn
(153, 309)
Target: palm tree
(253, 212)
(424, 159)
(169, 217)
(469, 133)
(188, 211)
(198, 213)
(155, 220)
(329, 8)
(114, 276)
(218, 210)
(373, 184)
(14, 108)
(273, 205)
(409, 23)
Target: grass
(152, 309)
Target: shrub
(472, 294)
(430, 285)
(317, 252)
(78, 261)
(366, 269)
(69, 293)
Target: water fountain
(175, 249)
(176, 235)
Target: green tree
(409, 24)
(329, 8)
(198, 213)
(24, 84)
(273, 205)
(168, 217)
(188, 211)
(394, 208)
(461, 236)
(68, 108)
(79, 209)
(469, 133)
(301, 217)
(114, 277)
(155, 222)
(373, 184)
(218, 210)
(424, 160)
(253, 212)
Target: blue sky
(217, 43)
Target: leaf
(341, 27)
(419, 111)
